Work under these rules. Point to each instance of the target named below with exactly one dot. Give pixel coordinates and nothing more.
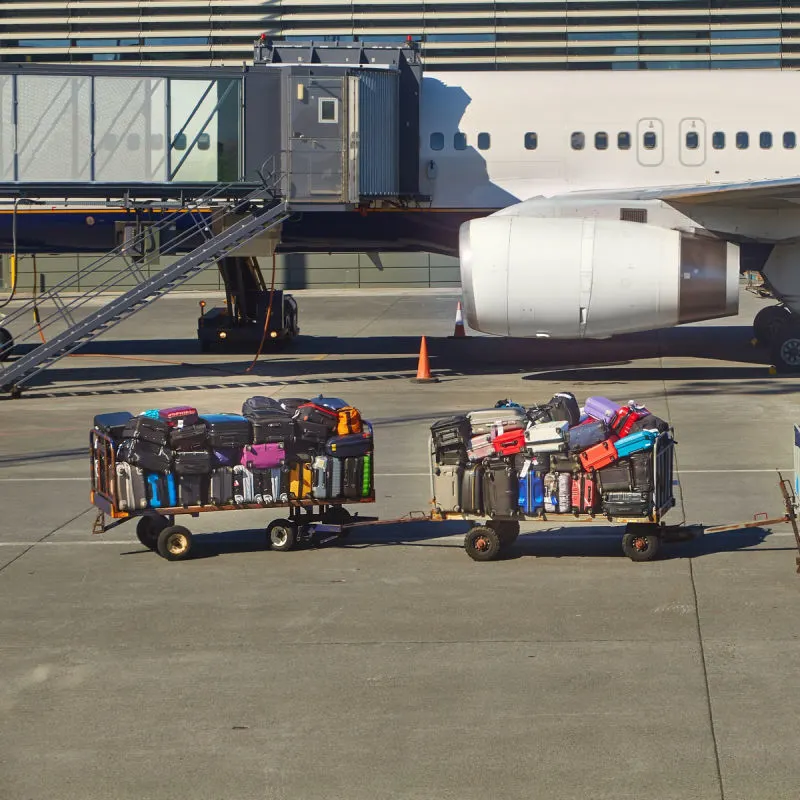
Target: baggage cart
(643, 535)
(156, 528)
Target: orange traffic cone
(459, 332)
(424, 367)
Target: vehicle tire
(641, 543)
(6, 344)
(768, 322)
(786, 348)
(147, 532)
(482, 543)
(282, 534)
(174, 543)
(507, 531)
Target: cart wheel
(507, 531)
(282, 534)
(338, 515)
(174, 542)
(147, 532)
(640, 543)
(482, 543)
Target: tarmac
(390, 665)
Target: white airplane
(623, 201)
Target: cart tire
(641, 543)
(147, 532)
(507, 531)
(338, 515)
(482, 543)
(768, 323)
(174, 543)
(282, 535)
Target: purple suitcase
(601, 408)
(263, 456)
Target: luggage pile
(273, 453)
(510, 461)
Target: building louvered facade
(470, 34)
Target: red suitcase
(583, 493)
(178, 415)
(509, 443)
(623, 422)
(599, 456)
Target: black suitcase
(500, 489)
(275, 428)
(318, 415)
(561, 462)
(194, 463)
(311, 435)
(231, 433)
(113, 424)
(257, 405)
(472, 489)
(147, 429)
(291, 404)
(188, 437)
(642, 469)
(452, 456)
(453, 432)
(650, 422)
(564, 406)
(627, 504)
(353, 477)
(144, 454)
(192, 490)
(616, 477)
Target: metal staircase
(263, 212)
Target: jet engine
(574, 278)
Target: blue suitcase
(161, 490)
(636, 442)
(582, 437)
(531, 494)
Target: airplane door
(650, 142)
(692, 142)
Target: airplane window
(531, 141)
(692, 140)
(650, 140)
(437, 141)
(460, 141)
(203, 142)
(578, 140)
(742, 140)
(601, 140)
(718, 140)
(624, 140)
(179, 142)
(789, 140)
(765, 140)
(484, 141)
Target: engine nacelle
(575, 278)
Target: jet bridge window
(460, 141)
(624, 140)
(789, 140)
(484, 141)
(742, 140)
(692, 140)
(765, 140)
(718, 140)
(578, 140)
(650, 140)
(601, 140)
(531, 141)
(328, 109)
(437, 141)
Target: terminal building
(469, 35)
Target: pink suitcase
(263, 456)
(480, 447)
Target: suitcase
(312, 436)
(322, 487)
(188, 437)
(642, 471)
(625, 418)
(113, 424)
(194, 463)
(586, 435)
(452, 455)
(300, 480)
(472, 489)
(564, 492)
(453, 432)
(615, 477)
(178, 415)
(192, 489)
(227, 431)
(161, 490)
(263, 456)
(496, 420)
(531, 493)
(349, 421)
(150, 412)
(447, 483)
(584, 496)
(601, 408)
(500, 489)
(227, 457)
(627, 504)
(220, 487)
(291, 404)
(146, 429)
(599, 456)
(366, 478)
(333, 403)
(564, 406)
(351, 446)
(636, 442)
(510, 442)
(131, 490)
(480, 447)
(243, 485)
(258, 404)
(274, 486)
(546, 437)
(540, 462)
(649, 423)
(318, 415)
(274, 427)
(352, 477)
(550, 485)
(561, 462)
(144, 454)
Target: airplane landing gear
(785, 347)
(768, 323)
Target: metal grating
(633, 214)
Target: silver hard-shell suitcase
(243, 488)
(564, 491)
(546, 437)
(220, 490)
(131, 487)
(447, 480)
(273, 488)
(496, 420)
(320, 490)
